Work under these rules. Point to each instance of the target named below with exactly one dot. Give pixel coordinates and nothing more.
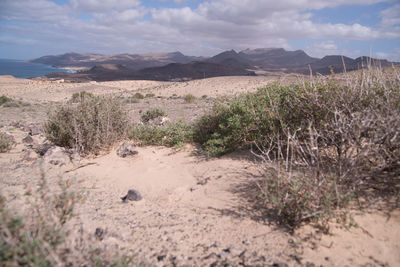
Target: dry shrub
(189, 98)
(342, 141)
(92, 124)
(6, 142)
(44, 237)
(327, 139)
(152, 114)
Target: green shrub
(149, 95)
(6, 142)
(246, 119)
(170, 135)
(5, 99)
(189, 98)
(152, 114)
(93, 124)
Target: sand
(195, 211)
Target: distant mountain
(175, 66)
(130, 60)
(277, 58)
(338, 64)
(193, 70)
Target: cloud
(391, 56)
(100, 6)
(215, 25)
(391, 16)
(31, 10)
(322, 49)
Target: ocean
(23, 69)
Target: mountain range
(177, 66)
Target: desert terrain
(195, 211)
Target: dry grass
(6, 142)
(44, 237)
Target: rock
(34, 130)
(99, 233)
(11, 104)
(42, 149)
(28, 139)
(279, 264)
(29, 155)
(159, 121)
(161, 257)
(57, 156)
(126, 149)
(132, 195)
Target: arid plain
(195, 211)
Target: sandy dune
(195, 211)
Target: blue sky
(33, 28)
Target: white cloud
(391, 56)
(322, 49)
(391, 16)
(215, 25)
(31, 10)
(99, 6)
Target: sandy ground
(195, 211)
(26, 89)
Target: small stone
(126, 149)
(28, 139)
(159, 121)
(99, 233)
(11, 104)
(34, 130)
(227, 250)
(57, 156)
(132, 195)
(161, 257)
(279, 264)
(42, 149)
(29, 155)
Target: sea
(24, 69)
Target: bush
(149, 95)
(43, 238)
(138, 96)
(79, 97)
(171, 135)
(189, 98)
(152, 114)
(92, 124)
(230, 125)
(343, 136)
(5, 99)
(6, 142)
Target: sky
(34, 28)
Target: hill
(175, 66)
